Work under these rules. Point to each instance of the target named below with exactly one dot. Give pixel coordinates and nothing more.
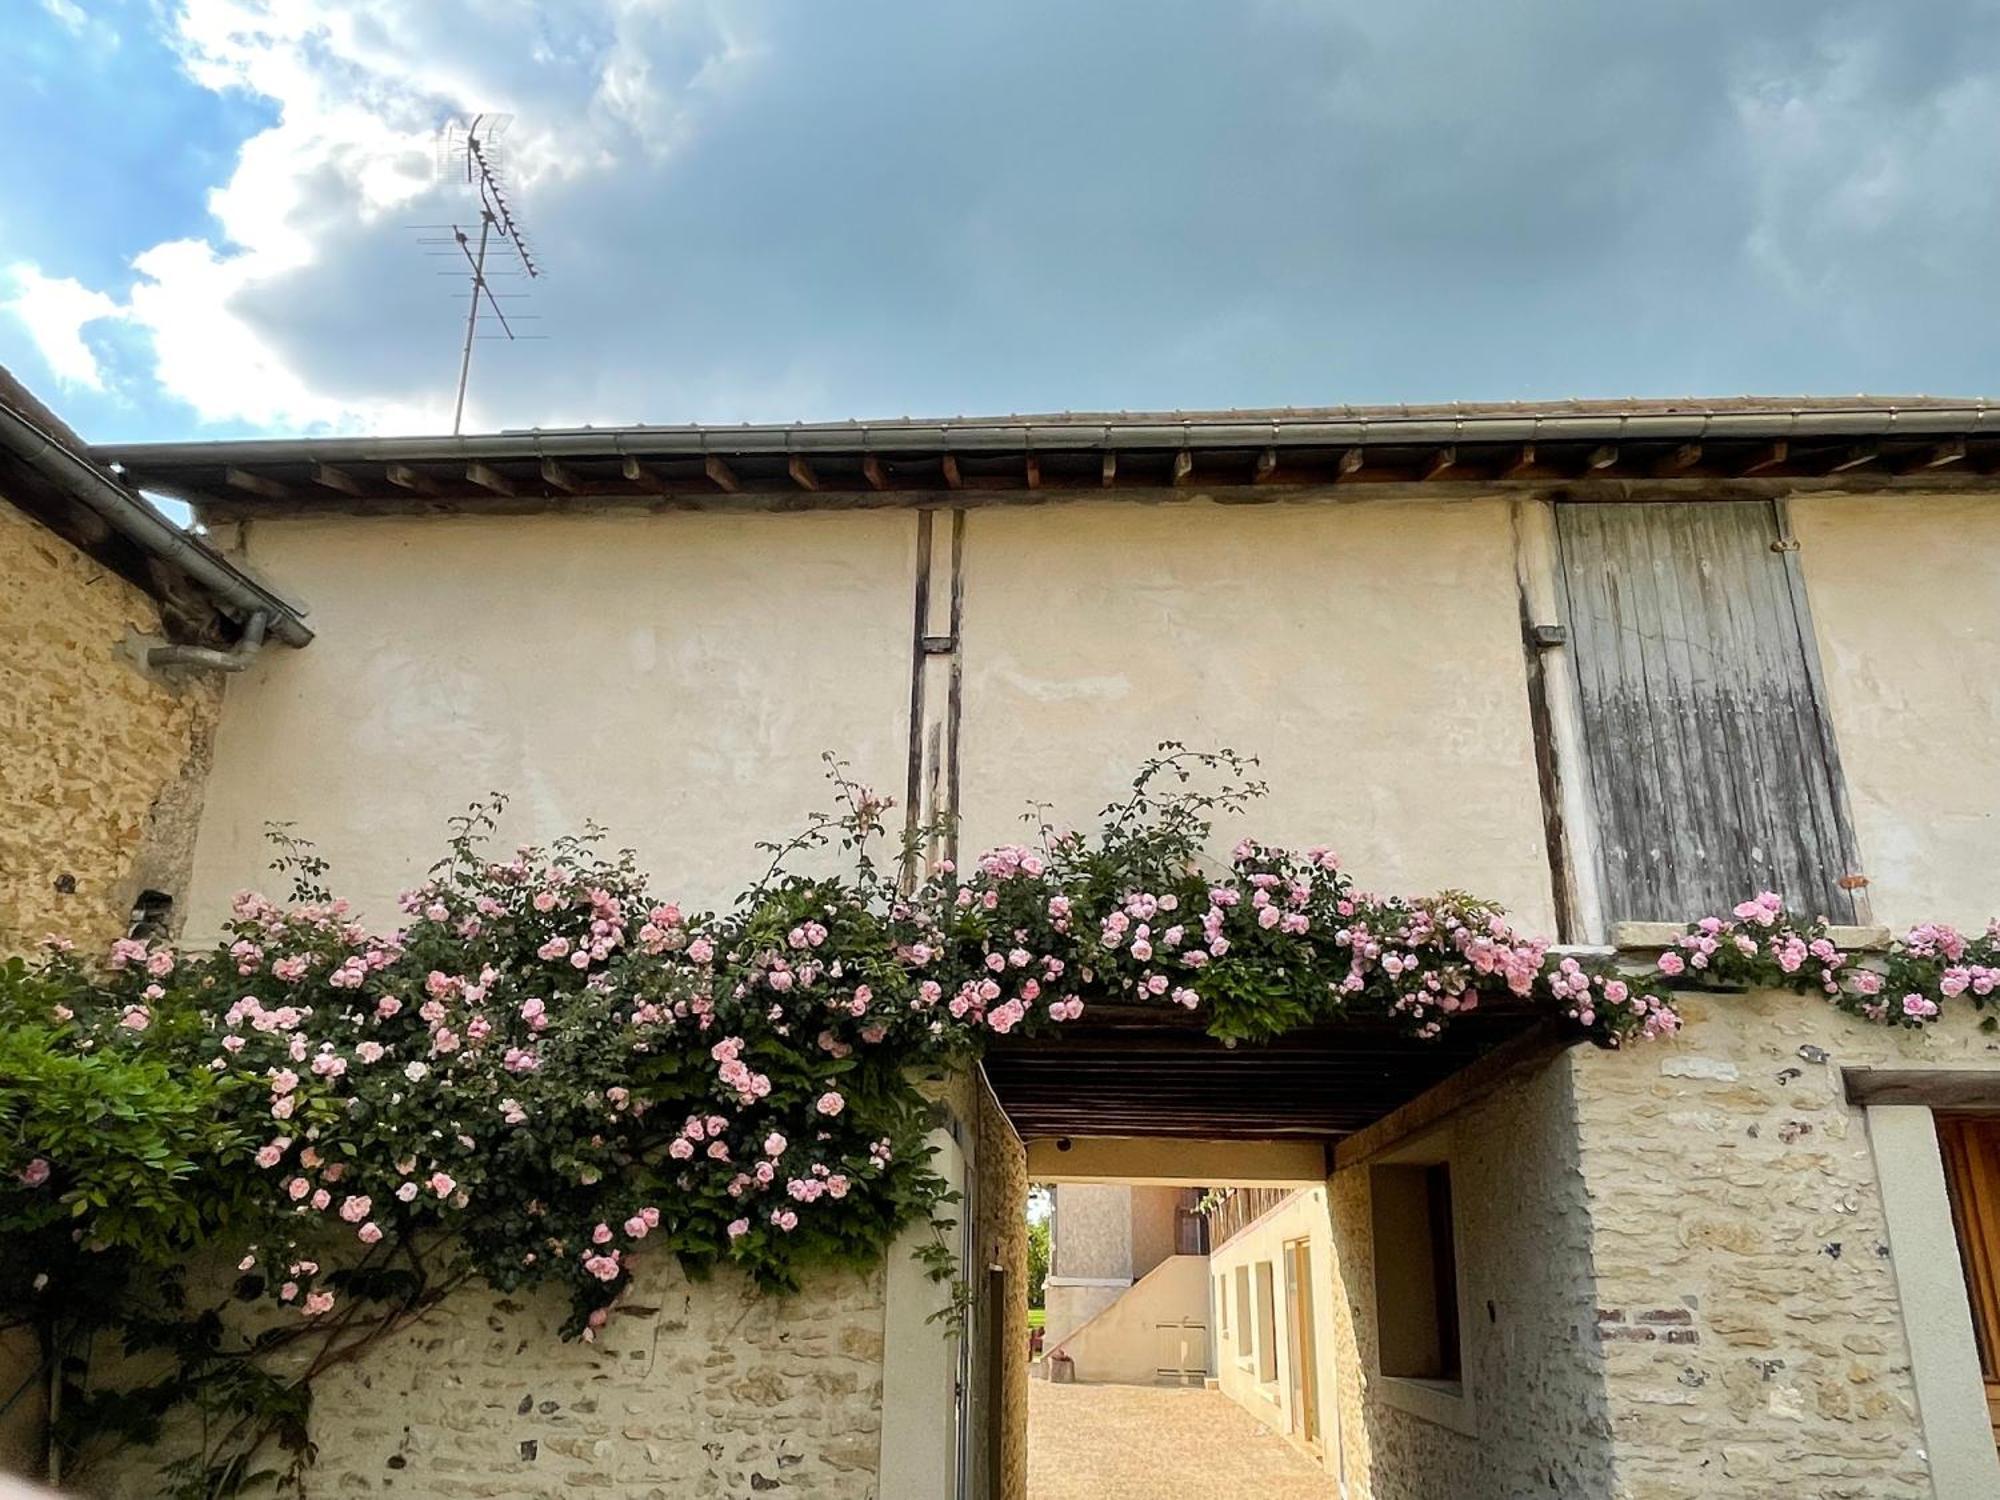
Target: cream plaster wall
(675, 678)
(1301, 1216)
(1753, 1331)
(1125, 1343)
(1368, 652)
(1155, 1227)
(1905, 596)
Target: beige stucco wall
(1302, 1216)
(98, 759)
(1368, 652)
(1905, 595)
(1128, 1342)
(1747, 1279)
(673, 677)
(1155, 1227)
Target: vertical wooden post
(998, 1353)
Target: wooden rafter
(257, 484)
(1109, 470)
(720, 474)
(1440, 463)
(403, 477)
(1771, 456)
(1855, 457)
(327, 476)
(1267, 467)
(1679, 461)
(801, 472)
(874, 473)
(488, 478)
(953, 480)
(1521, 463)
(643, 474)
(1031, 469)
(1937, 456)
(1183, 467)
(1348, 465)
(1600, 458)
(559, 476)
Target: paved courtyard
(1133, 1442)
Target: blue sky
(779, 209)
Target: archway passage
(1233, 1343)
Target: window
(1712, 767)
(1416, 1272)
(1267, 1324)
(1242, 1310)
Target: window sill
(1646, 936)
(1442, 1402)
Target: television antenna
(471, 149)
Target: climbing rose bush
(549, 1072)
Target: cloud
(55, 310)
(768, 209)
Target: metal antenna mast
(496, 218)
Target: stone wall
(1747, 1295)
(100, 763)
(696, 1391)
(1531, 1419)
(1003, 1214)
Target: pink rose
(738, 1228)
(369, 1233)
(830, 1103)
(442, 1184)
(35, 1173)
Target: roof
(47, 473)
(1857, 442)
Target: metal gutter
(1095, 433)
(131, 517)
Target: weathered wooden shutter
(1711, 763)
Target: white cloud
(363, 87)
(69, 14)
(55, 310)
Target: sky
(775, 210)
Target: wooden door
(1304, 1348)
(1711, 764)
(1971, 1148)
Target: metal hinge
(1547, 635)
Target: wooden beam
(952, 479)
(1937, 456)
(1683, 458)
(1183, 468)
(403, 477)
(1187, 1163)
(1935, 1088)
(1441, 462)
(1601, 458)
(327, 476)
(874, 473)
(1267, 467)
(1770, 456)
(720, 474)
(1520, 464)
(801, 472)
(641, 473)
(1348, 466)
(1530, 1049)
(489, 479)
(1033, 468)
(258, 484)
(1110, 470)
(1855, 457)
(558, 477)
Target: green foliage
(1038, 1261)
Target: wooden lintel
(257, 484)
(720, 474)
(1937, 456)
(1602, 457)
(801, 472)
(1855, 457)
(1349, 465)
(329, 477)
(1032, 467)
(1935, 1088)
(874, 473)
(488, 478)
(1771, 456)
(1683, 458)
(1441, 462)
(952, 478)
(1183, 467)
(558, 477)
(1110, 470)
(1522, 462)
(403, 477)
(1267, 467)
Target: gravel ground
(1135, 1442)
